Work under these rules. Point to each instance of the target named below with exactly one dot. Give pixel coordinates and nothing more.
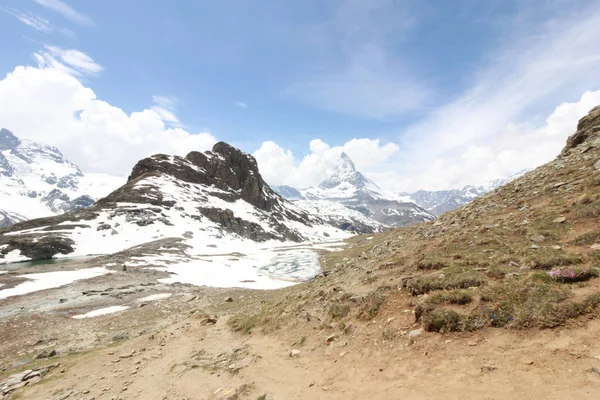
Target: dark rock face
(226, 168)
(37, 248)
(55, 199)
(5, 168)
(8, 141)
(587, 127)
(79, 203)
(250, 230)
(68, 182)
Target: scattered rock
(488, 368)
(228, 299)
(412, 335)
(349, 328)
(208, 319)
(120, 336)
(46, 354)
(331, 338)
(534, 246)
(538, 238)
(556, 247)
(559, 220)
(295, 353)
(595, 246)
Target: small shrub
(453, 278)
(338, 311)
(548, 259)
(443, 321)
(460, 297)
(371, 305)
(587, 239)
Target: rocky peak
(587, 128)
(8, 141)
(225, 168)
(345, 171)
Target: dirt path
(190, 360)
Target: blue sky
(288, 73)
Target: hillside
(526, 255)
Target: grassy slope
(522, 256)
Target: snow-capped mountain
(352, 189)
(441, 201)
(37, 181)
(201, 199)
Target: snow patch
(155, 297)
(13, 256)
(49, 280)
(101, 311)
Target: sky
(421, 95)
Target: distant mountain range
(37, 181)
(349, 187)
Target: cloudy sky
(429, 95)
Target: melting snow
(13, 256)
(49, 280)
(101, 311)
(155, 297)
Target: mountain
(349, 187)
(38, 181)
(353, 190)
(441, 201)
(218, 196)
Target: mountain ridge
(36, 180)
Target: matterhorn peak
(345, 172)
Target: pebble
(412, 335)
(295, 353)
(559, 220)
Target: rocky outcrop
(35, 247)
(587, 128)
(225, 168)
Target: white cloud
(166, 106)
(70, 61)
(498, 125)
(241, 104)
(516, 148)
(279, 167)
(66, 11)
(30, 19)
(51, 106)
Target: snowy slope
(216, 198)
(37, 181)
(351, 189)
